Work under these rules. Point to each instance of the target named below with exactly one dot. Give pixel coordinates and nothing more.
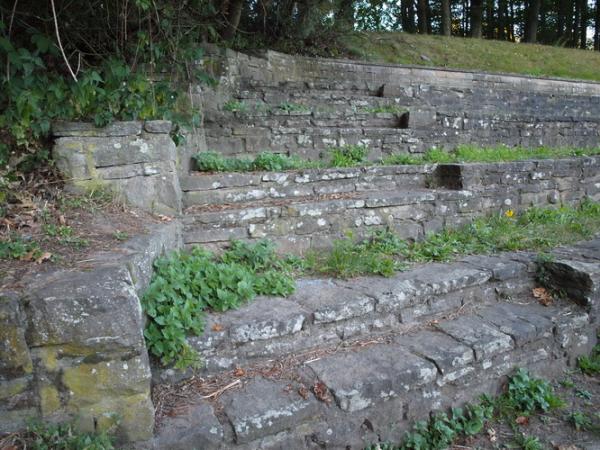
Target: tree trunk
(511, 21)
(344, 17)
(490, 22)
(597, 29)
(583, 19)
(531, 24)
(408, 16)
(234, 13)
(422, 16)
(447, 18)
(575, 24)
(476, 18)
(502, 19)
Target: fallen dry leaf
(303, 392)
(27, 256)
(164, 218)
(62, 220)
(322, 393)
(239, 372)
(543, 296)
(44, 257)
(566, 447)
(522, 420)
(492, 435)
(217, 327)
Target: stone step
(298, 224)
(335, 312)
(386, 384)
(219, 188)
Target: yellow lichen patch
(13, 348)
(13, 387)
(49, 399)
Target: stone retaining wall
(446, 107)
(72, 345)
(137, 160)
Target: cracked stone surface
(265, 407)
(361, 379)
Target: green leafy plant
(527, 395)
(187, 283)
(15, 247)
(348, 155)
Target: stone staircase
(344, 364)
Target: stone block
(358, 380)
(264, 407)
(485, 340)
(15, 359)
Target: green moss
(49, 399)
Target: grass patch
(46, 436)
(187, 283)
(500, 153)
(215, 162)
(535, 229)
(349, 156)
(473, 54)
(356, 155)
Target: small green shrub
(524, 442)
(275, 162)
(289, 107)
(349, 155)
(15, 247)
(527, 395)
(187, 283)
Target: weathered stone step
(386, 384)
(208, 189)
(335, 312)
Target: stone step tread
(304, 205)
(330, 311)
(410, 367)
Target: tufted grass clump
(499, 153)
(186, 284)
(349, 155)
(535, 229)
(273, 162)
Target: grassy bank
(473, 54)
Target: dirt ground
(66, 231)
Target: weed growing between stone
(590, 365)
(525, 395)
(46, 436)
(187, 283)
(215, 162)
(535, 229)
(355, 155)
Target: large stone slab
(197, 428)
(361, 379)
(452, 359)
(265, 407)
(97, 310)
(485, 340)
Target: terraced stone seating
(305, 209)
(341, 364)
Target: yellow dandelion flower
(509, 213)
